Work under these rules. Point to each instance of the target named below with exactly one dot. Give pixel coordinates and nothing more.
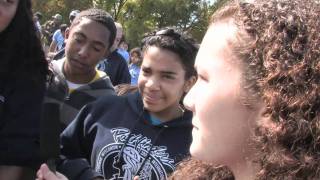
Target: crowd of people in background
(243, 105)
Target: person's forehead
(162, 56)
(94, 30)
(134, 54)
(213, 54)
(92, 24)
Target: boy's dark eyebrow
(80, 34)
(99, 43)
(162, 72)
(168, 72)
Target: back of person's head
(20, 36)
(73, 14)
(63, 27)
(278, 46)
(118, 38)
(38, 15)
(119, 29)
(176, 42)
(57, 18)
(99, 16)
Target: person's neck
(78, 78)
(243, 167)
(244, 170)
(168, 114)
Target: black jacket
(20, 122)
(116, 67)
(71, 103)
(115, 138)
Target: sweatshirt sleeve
(76, 147)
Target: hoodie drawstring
(128, 138)
(149, 152)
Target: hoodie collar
(102, 83)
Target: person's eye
(168, 76)
(146, 71)
(7, 1)
(97, 49)
(78, 40)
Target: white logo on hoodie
(133, 153)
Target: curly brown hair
(278, 44)
(193, 169)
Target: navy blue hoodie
(114, 137)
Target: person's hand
(136, 178)
(44, 173)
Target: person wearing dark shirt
(23, 74)
(115, 65)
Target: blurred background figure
(60, 52)
(114, 64)
(48, 29)
(58, 39)
(37, 21)
(123, 49)
(135, 64)
(73, 15)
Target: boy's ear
(189, 83)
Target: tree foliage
(48, 8)
(141, 16)
(115, 7)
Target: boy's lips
(78, 64)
